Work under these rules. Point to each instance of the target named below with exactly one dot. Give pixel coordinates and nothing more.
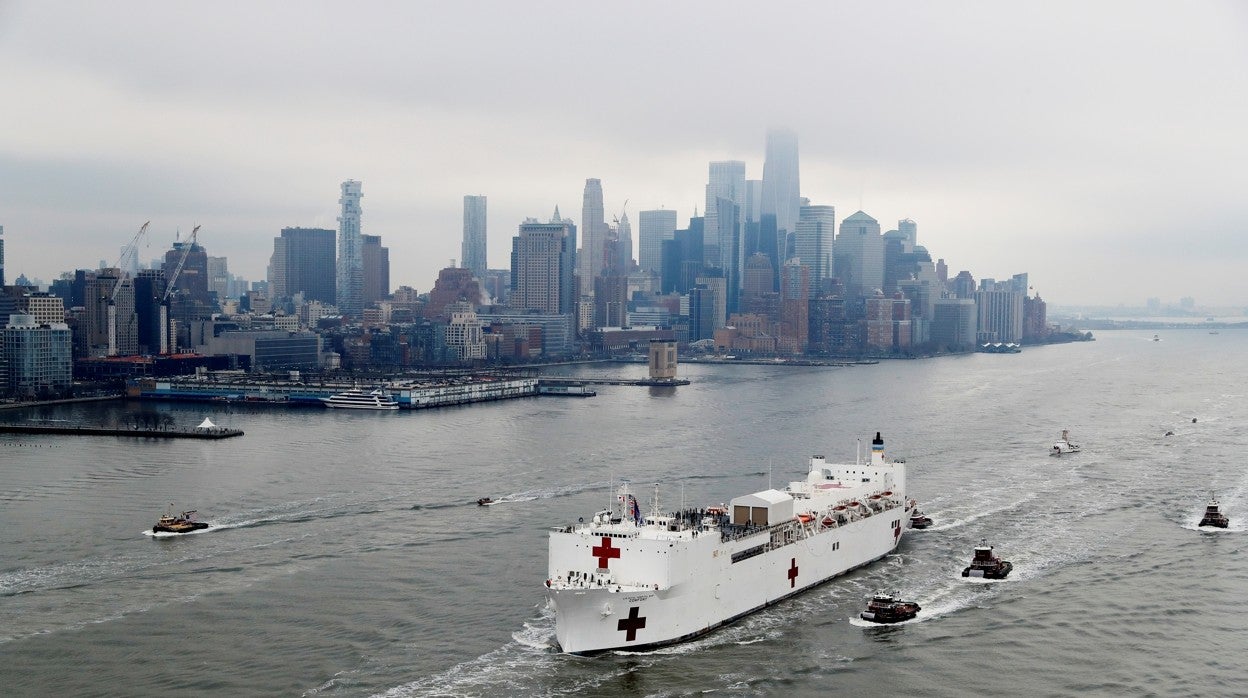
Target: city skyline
(1072, 153)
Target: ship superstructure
(628, 581)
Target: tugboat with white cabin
(627, 581)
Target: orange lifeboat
(804, 518)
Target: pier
(214, 432)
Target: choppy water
(346, 557)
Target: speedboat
(178, 523)
(1063, 445)
(360, 400)
(886, 608)
(920, 520)
(1213, 515)
(986, 565)
(484, 502)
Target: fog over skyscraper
(350, 290)
(781, 187)
(474, 245)
(594, 229)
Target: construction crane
(177, 271)
(126, 253)
(168, 340)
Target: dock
(652, 382)
(70, 430)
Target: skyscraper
(1, 255)
(473, 251)
(541, 267)
(726, 181)
(594, 229)
(781, 188)
(350, 274)
(813, 238)
(303, 262)
(376, 268)
(653, 228)
(858, 255)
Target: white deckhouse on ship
(623, 581)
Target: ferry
(359, 400)
(624, 581)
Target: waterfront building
(542, 277)
(955, 323)
(303, 262)
(662, 357)
(473, 249)
(350, 263)
(557, 332)
(858, 255)
(376, 266)
(265, 350)
(37, 357)
(654, 228)
(594, 228)
(781, 192)
(1035, 320)
(1000, 316)
(812, 244)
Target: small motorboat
(886, 608)
(484, 502)
(178, 523)
(1064, 445)
(1213, 515)
(986, 565)
(920, 520)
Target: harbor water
(347, 557)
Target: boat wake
(957, 523)
(168, 534)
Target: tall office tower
(622, 256)
(594, 228)
(219, 277)
(963, 285)
(751, 222)
(473, 250)
(758, 278)
(795, 304)
(303, 262)
(653, 228)
(350, 290)
(702, 309)
(1000, 316)
(955, 323)
(1018, 283)
(149, 294)
(1, 255)
(858, 255)
(111, 295)
(720, 237)
(942, 270)
(910, 232)
(541, 267)
(192, 282)
(454, 285)
(719, 285)
(376, 263)
(781, 188)
(813, 238)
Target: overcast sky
(1099, 146)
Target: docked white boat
(624, 581)
(1064, 445)
(356, 399)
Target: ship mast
(654, 507)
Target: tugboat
(987, 565)
(920, 520)
(181, 523)
(886, 608)
(1213, 516)
(1064, 445)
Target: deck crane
(167, 339)
(126, 253)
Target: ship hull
(597, 619)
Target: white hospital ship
(627, 581)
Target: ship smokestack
(877, 450)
